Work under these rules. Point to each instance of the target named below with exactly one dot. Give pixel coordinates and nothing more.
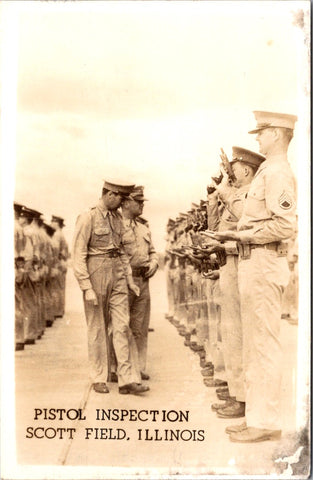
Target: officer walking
(103, 272)
(268, 220)
(144, 263)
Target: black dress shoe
(211, 382)
(30, 341)
(144, 376)
(49, 323)
(100, 387)
(19, 346)
(222, 390)
(204, 363)
(150, 329)
(196, 348)
(234, 410)
(201, 353)
(221, 406)
(223, 395)
(134, 388)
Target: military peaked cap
(137, 193)
(119, 187)
(247, 156)
(271, 119)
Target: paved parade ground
(53, 374)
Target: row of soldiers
(193, 288)
(228, 272)
(41, 254)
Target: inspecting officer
(268, 220)
(144, 263)
(103, 272)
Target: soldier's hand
(90, 296)
(152, 269)
(134, 288)
(226, 235)
(212, 274)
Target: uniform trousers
(48, 301)
(29, 300)
(112, 312)
(182, 307)
(202, 318)
(19, 316)
(170, 290)
(290, 296)
(139, 312)
(262, 279)
(176, 280)
(213, 349)
(190, 306)
(231, 327)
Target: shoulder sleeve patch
(285, 201)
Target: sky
(146, 92)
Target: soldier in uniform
(29, 293)
(143, 260)
(19, 245)
(268, 220)
(47, 233)
(102, 270)
(169, 260)
(58, 224)
(244, 164)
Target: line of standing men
(41, 254)
(113, 259)
(250, 223)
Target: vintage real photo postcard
(155, 304)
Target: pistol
(227, 167)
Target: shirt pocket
(257, 192)
(128, 237)
(255, 202)
(101, 236)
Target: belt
(139, 271)
(245, 249)
(267, 246)
(113, 254)
(109, 253)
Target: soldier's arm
(80, 250)
(212, 211)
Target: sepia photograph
(155, 239)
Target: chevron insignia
(285, 201)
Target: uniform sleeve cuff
(85, 285)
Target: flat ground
(54, 374)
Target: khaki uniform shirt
(227, 216)
(269, 212)
(19, 239)
(138, 243)
(97, 231)
(63, 247)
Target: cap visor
(257, 130)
